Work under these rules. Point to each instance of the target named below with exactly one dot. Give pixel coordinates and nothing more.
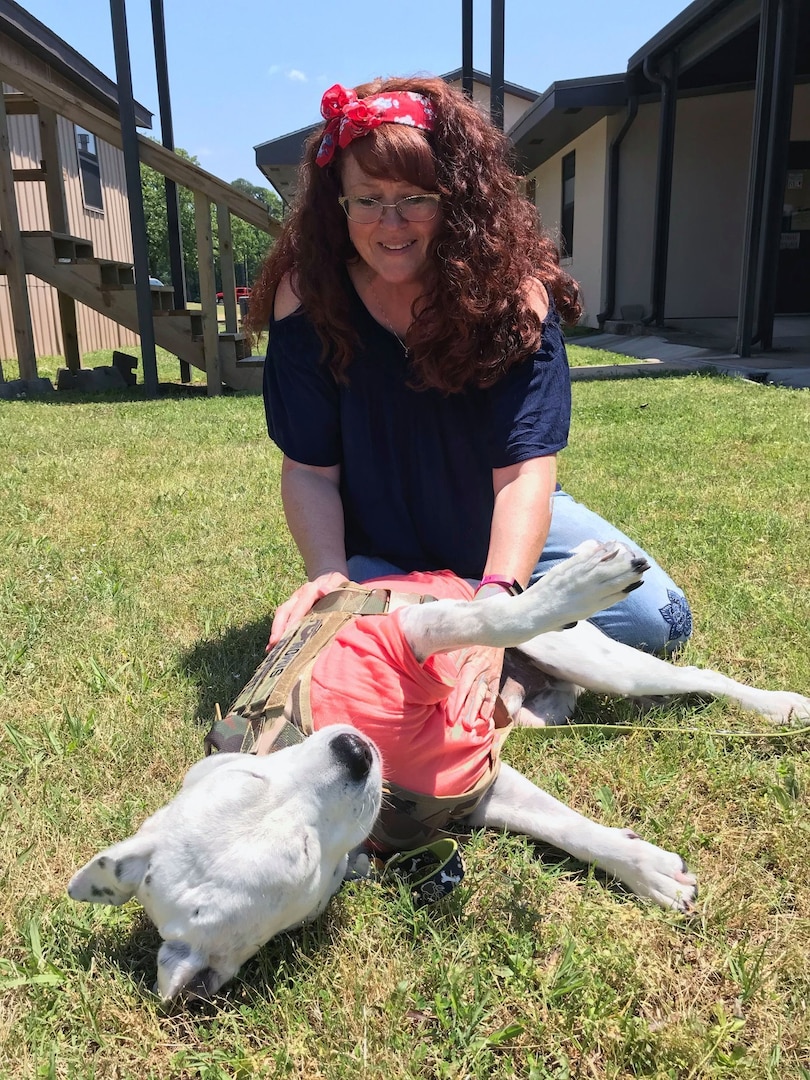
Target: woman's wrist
(492, 581)
(324, 571)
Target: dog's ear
(114, 875)
(180, 966)
(203, 768)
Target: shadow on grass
(280, 962)
(171, 390)
(221, 666)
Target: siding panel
(109, 230)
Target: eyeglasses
(412, 208)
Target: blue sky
(243, 73)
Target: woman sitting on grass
(416, 379)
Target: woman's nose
(391, 216)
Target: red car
(240, 291)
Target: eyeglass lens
(412, 208)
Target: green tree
(250, 244)
(153, 187)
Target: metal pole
(784, 77)
(132, 169)
(496, 85)
(752, 244)
(668, 81)
(175, 238)
(467, 47)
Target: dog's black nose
(354, 753)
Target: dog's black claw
(639, 565)
(569, 626)
(635, 585)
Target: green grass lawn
(143, 553)
(586, 356)
(169, 367)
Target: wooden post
(208, 292)
(226, 270)
(57, 212)
(12, 256)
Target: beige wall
(513, 107)
(709, 199)
(709, 193)
(586, 262)
(109, 231)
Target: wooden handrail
(54, 93)
(60, 95)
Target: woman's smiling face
(395, 249)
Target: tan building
(67, 281)
(92, 178)
(680, 189)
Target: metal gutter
(668, 81)
(614, 155)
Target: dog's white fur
(252, 846)
(249, 847)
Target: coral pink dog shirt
(415, 713)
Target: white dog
(254, 845)
(249, 847)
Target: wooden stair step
(64, 247)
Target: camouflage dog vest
(273, 711)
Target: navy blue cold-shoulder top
(416, 465)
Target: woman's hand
(475, 693)
(292, 611)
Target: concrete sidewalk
(784, 366)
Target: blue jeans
(655, 617)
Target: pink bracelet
(512, 587)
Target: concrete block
(90, 379)
(19, 389)
(126, 364)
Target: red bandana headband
(350, 117)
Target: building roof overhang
(33, 36)
(716, 42)
(561, 114)
(279, 158)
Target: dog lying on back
(249, 847)
(253, 845)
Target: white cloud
(296, 76)
(274, 69)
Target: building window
(567, 214)
(89, 170)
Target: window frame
(567, 200)
(89, 166)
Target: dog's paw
(783, 707)
(596, 576)
(107, 879)
(655, 874)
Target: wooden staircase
(68, 263)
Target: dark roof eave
(481, 77)
(607, 92)
(35, 37)
(686, 23)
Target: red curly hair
(474, 320)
